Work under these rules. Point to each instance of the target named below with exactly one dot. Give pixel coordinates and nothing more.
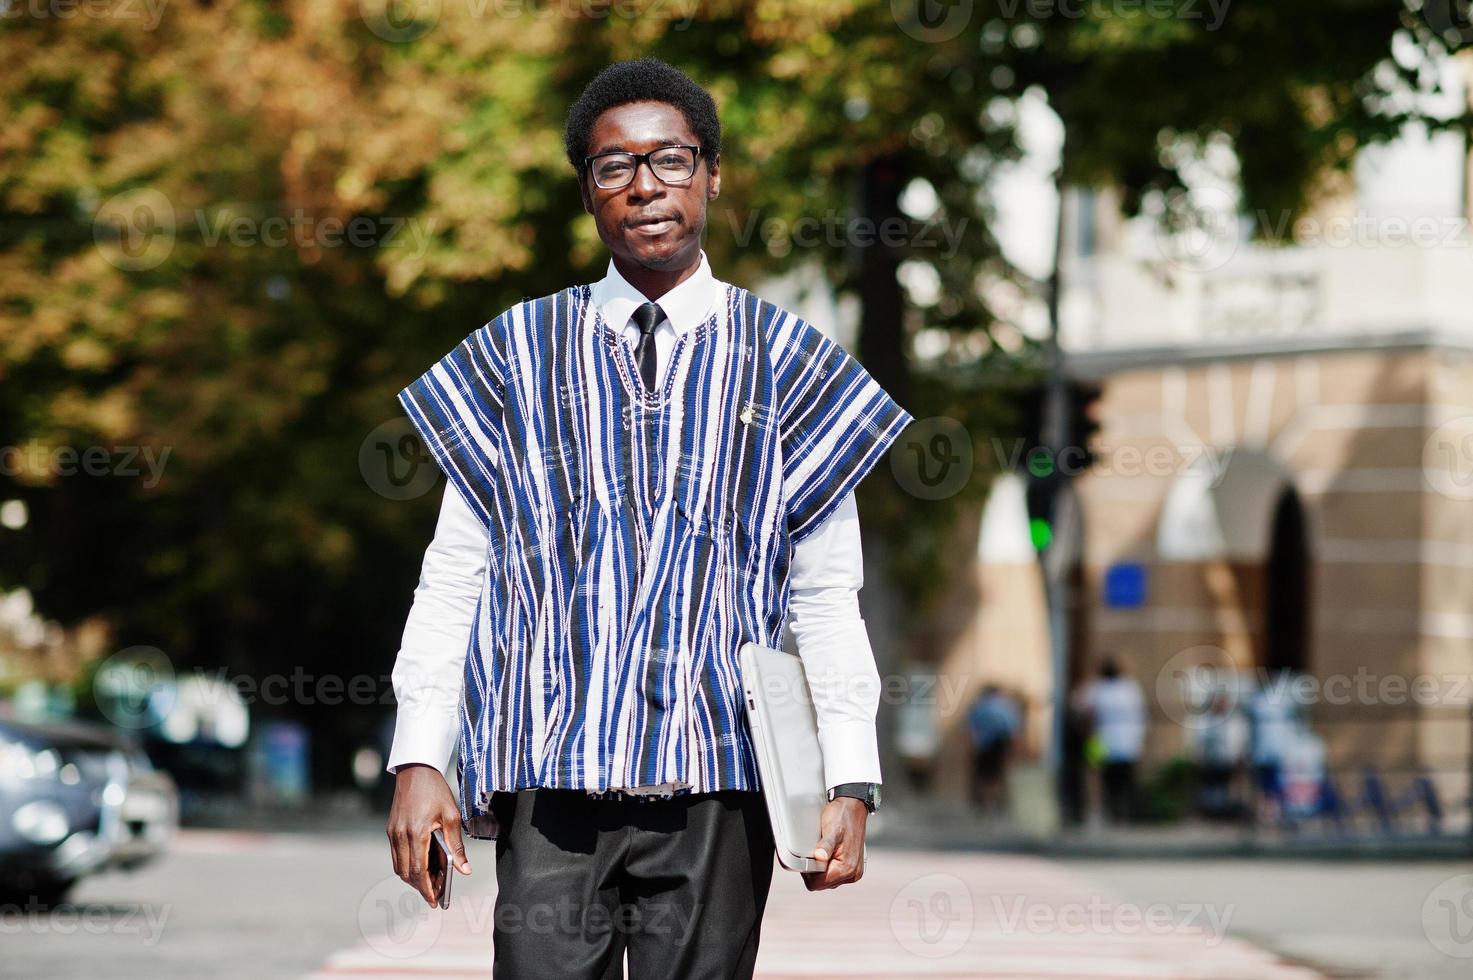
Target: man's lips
(653, 224)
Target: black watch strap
(869, 793)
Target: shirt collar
(686, 306)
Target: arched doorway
(1286, 588)
(1237, 517)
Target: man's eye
(614, 169)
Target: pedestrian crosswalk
(930, 914)
(923, 914)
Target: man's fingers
(845, 865)
(416, 862)
(422, 803)
(844, 871)
(419, 864)
(838, 870)
(410, 856)
(395, 853)
(835, 873)
(826, 845)
(453, 837)
(833, 876)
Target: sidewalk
(925, 915)
(943, 825)
(930, 824)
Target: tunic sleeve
(456, 407)
(836, 423)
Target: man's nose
(645, 183)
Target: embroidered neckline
(624, 357)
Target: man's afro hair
(642, 80)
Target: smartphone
(441, 871)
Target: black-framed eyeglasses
(615, 169)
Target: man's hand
(841, 841)
(422, 802)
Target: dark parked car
(76, 798)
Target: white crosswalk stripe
(921, 914)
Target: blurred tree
(1295, 90)
(229, 235)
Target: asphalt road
(222, 904)
(245, 904)
(1357, 918)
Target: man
(993, 722)
(1222, 739)
(1117, 711)
(645, 473)
(1274, 714)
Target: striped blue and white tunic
(636, 539)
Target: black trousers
(680, 883)
(1118, 779)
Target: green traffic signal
(1041, 532)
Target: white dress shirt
(823, 613)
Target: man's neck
(654, 283)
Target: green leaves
(179, 266)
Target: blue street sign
(1125, 585)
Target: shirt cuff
(851, 753)
(425, 737)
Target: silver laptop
(785, 732)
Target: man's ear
(583, 193)
(713, 178)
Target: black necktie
(646, 317)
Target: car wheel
(39, 896)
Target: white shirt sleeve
(826, 575)
(429, 670)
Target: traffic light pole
(1055, 422)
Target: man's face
(647, 222)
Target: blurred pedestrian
(993, 722)
(1074, 765)
(1274, 719)
(1222, 747)
(1304, 772)
(918, 736)
(1117, 712)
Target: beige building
(1284, 478)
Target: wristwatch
(869, 793)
